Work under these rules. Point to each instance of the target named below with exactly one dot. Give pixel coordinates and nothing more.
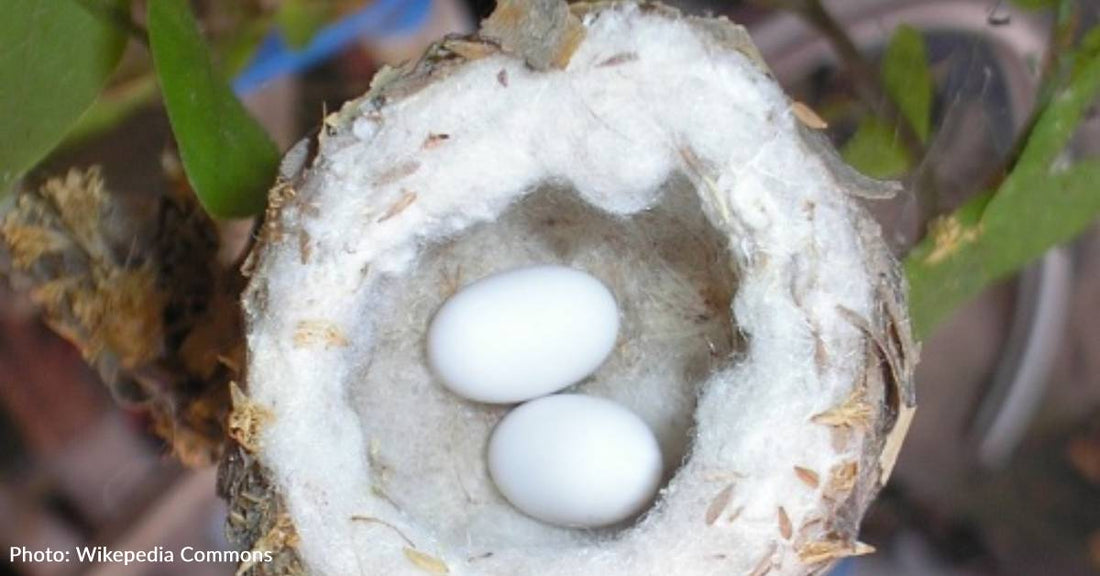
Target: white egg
(522, 334)
(575, 461)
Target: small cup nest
(764, 336)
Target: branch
(869, 90)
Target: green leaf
(908, 80)
(876, 150)
(1035, 4)
(1039, 205)
(55, 57)
(228, 158)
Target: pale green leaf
(876, 150)
(908, 80)
(55, 57)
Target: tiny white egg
(522, 334)
(575, 461)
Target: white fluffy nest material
(764, 334)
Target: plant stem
(865, 78)
(869, 90)
(1062, 32)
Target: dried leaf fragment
(807, 476)
(826, 550)
(842, 479)
(854, 412)
(894, 441)
(948, 236)
(426, 562)
(618, 59)
(719, 504)
(324, 332)
(246, 420)
(433, 140)
(808, 117)
(785, 528)
(470, 50)
(406, 200)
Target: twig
(865, 78)
(869, 89)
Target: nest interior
(672, 276)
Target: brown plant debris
(246, 420)
(808, 117)
(469, 49)
(137, 289)
(323, 332)
(543, 32)
(948, 236)
(854, 412)
(826, 550)
(842, 479)
(407, 198)
(435, 140)
(257, 519)
(279, 196)
(892, 447)
(618, 60)
(282, 535)
(719, 505)
(785, 528)
(807, 476)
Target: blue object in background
(843, 568)
(379, 19)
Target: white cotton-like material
(667, 166)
